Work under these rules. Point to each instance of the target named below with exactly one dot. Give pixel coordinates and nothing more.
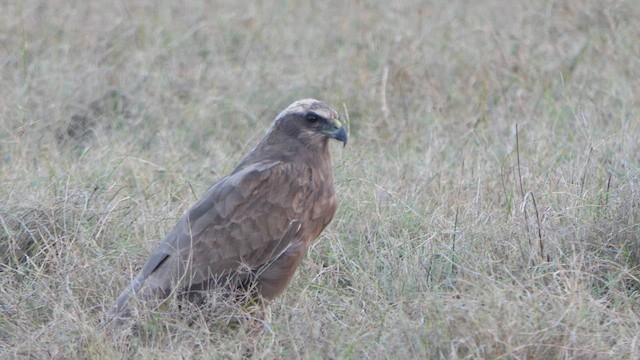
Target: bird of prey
(252, 228)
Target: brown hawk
(252, 228)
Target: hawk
(252, 228)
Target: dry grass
(458, 236)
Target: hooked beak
(337, 131)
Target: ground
(489, 194)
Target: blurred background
(488, 194)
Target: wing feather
(246, 217)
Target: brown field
(489, 194)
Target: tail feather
(121, 309)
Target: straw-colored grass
(489, 195)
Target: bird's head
(312, 122)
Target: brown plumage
(252, 228)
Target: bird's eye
(312, 117)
